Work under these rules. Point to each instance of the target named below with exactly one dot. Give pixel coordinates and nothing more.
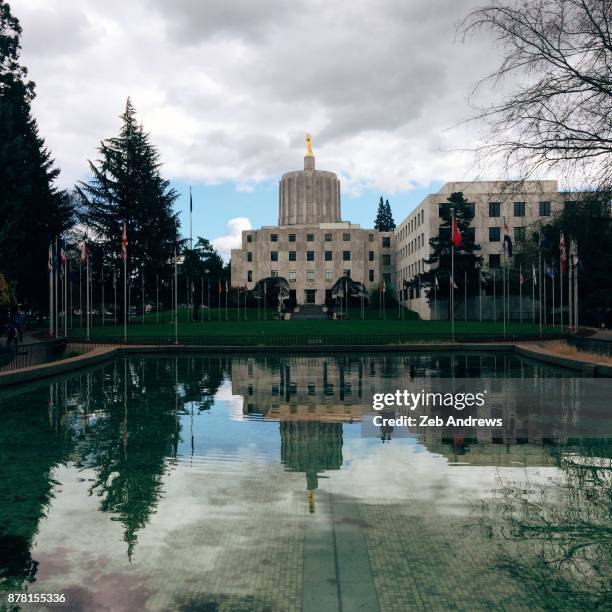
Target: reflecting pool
(244, 483)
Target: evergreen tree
(467, 258)
(127, 188)
(32, 209)
(384, 218)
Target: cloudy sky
(228, 88)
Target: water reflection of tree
(203, 376)
(130, 440)
(32, 443)
(557, 538)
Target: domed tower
(309, 196)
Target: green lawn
(352, 326)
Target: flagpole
(219, 300)
(521, 293)
(55, 281)
(560, 289)
(226, 292)
(540, 277)
(142, 286)
(125, 284)
(465, 295)
(576, 311)
(65, 292)
(435, 298)
(202, 297)
(70, 285)
(157, 298)
(533, 284)
(208, 297)
(50, 266)
(103, 306)
(114, 296)
(480, 277)
(81, 293)
(87, 289)
(190, 219)
(504, 290)
(553, 299)
(570, 296)
(494, 297)
(175, 296)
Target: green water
(243, 483)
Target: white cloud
(233, 238)
(228, 88)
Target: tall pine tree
(467, 258)
(127, 188)
(33, 211)
(384, 218)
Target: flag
(482, 279)
(573, 252)
(436, 281)
(63, 257)
(220, 287)
(534, 277)
(521, 278)
(225, 286)
(455, 285)
(456, 237)
(124, 243)
(84, 252)
(190, 201)
(384, 287)
(563, 252)
(114, 280)
(50, 260)
(549, 269)
(507, 239)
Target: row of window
(495, 209)
(495, 234)
(327, 256)
(414, 245)
(310, 275)
(346, 237)
(412, 225)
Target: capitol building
(312, 247)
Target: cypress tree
(32, 209)
(384, 218)
(126, 187)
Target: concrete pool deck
(587, 366)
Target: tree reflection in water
(557, 537)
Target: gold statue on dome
(309, 151)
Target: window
(347, 272)
(250, 276)
(310, 276)
(328, 237)
(328, 255)
(292, 255)
(494, 260)
(387, 278)
(328, 275)
(371, 237)
(309, 255)
(469, 234)
(442, 210)
(274, 273)
(519, 209)
(370, 255)
(494, 234)
(544, 209)
(386, 241)
(249, 238)
(371, 275)
(292, 276)
(291, 237)
(494, 209)
(273, 237)
(310, 237)
(386, 259)
(249, 256)
(273, 255)
(470, 208)
(519, 233)
(346, 237)
(346, 256)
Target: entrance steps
(309, 312)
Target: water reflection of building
(311, 447)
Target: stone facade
(523, 205)
(312, 247)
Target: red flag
(219, 287)
(522, 278)
(456, 239)
(124, 243)
(563, 253)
